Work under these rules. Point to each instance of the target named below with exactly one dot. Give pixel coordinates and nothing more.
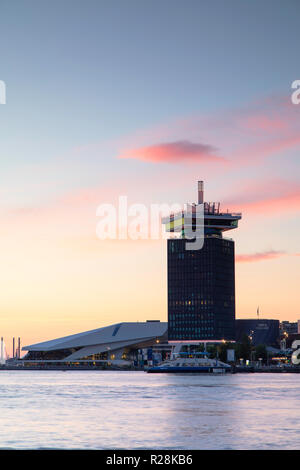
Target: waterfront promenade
(235, 369)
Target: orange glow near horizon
(58, 287)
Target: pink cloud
(261, 122)
(260, 150)
(174, 152)
(262, 130)
(263, 256)
(245, 136)
(267, 197)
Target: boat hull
(189, 370)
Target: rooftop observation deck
(213, 218)
(210, 209)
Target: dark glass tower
(201, 283)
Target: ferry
(186, 362)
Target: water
(135, 410)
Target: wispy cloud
(254, 257)
(267, 197)
(243, 136)
(174, 152)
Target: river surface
(135, 410)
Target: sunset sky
(143, 98)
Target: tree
(261, 352)
(212, 351)
(222, 350)
(243, 349)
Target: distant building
(288, 340)
(201, 282)
(114, 343)
(260, 331)
(290, 328)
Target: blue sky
(86, 72)
(79, 72)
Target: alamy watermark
(2, 92)
(296, 352)
(139, 222)
(295, 97)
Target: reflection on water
(134, 410)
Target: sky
(143, 98)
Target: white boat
(186, 362)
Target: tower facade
(201, 282)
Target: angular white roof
(108, 337)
